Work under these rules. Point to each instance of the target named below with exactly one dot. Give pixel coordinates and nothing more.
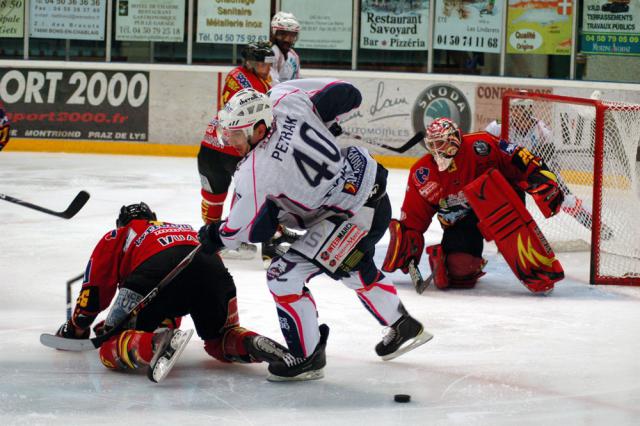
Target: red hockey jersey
(120, 252)
(430, 191)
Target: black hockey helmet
(134, 211)
(259, 51)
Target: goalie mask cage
(593, 146)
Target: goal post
(592, 146)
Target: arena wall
(148, 109)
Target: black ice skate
(292, 368)
(261, 348)
(169, 345)
(404, 335)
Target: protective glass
(231, 137)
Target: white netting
(563, 133)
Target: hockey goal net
(593, 146)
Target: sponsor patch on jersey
(421, 175)
(357, 164)
(233, 85)
(243, 80)
(507, 146)
(481, 148)
(431, 192)
(279, 268)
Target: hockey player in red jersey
(453, 181)
(216, 163)
(130, 261)
(5, 129)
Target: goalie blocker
(504, 218)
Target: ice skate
(169, 345)
(261, 348)
(404, 335)
(271, 250)
(292, 368)
(246, 251)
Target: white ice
(500, 354)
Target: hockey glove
(70, 331)
(209, 236)
(543, 187)
(335, 129)
(405, 245)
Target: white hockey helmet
(284, 21)
(244, 110)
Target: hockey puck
(401, 398)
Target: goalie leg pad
(128, 350)
(504, 218)
(437, 261)
(405, 245)
(464, 269)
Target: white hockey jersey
(298, 176)
(285, 68)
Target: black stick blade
(75, 206)
(78, 202)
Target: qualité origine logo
(441, 100)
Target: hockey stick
(408, 145)
(69, 284)
(416, 277)
(66, 344)
(74, 207)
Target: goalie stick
(407, 145)
(416, 277)
(78, 202)
(77, 345)
(69, 284)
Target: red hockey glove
(70, 331)
(543, 187)
(405, 245)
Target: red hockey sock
(127, 350)
(230, 348)
(212, 205)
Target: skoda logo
(441, 100)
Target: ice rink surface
(500, 354)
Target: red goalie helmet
(442, 140)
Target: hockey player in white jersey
(295, 174)
(284, 34)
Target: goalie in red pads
(444, 182)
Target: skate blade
(308, 375)
(419, 340)
(164, 365)
(238, 254)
